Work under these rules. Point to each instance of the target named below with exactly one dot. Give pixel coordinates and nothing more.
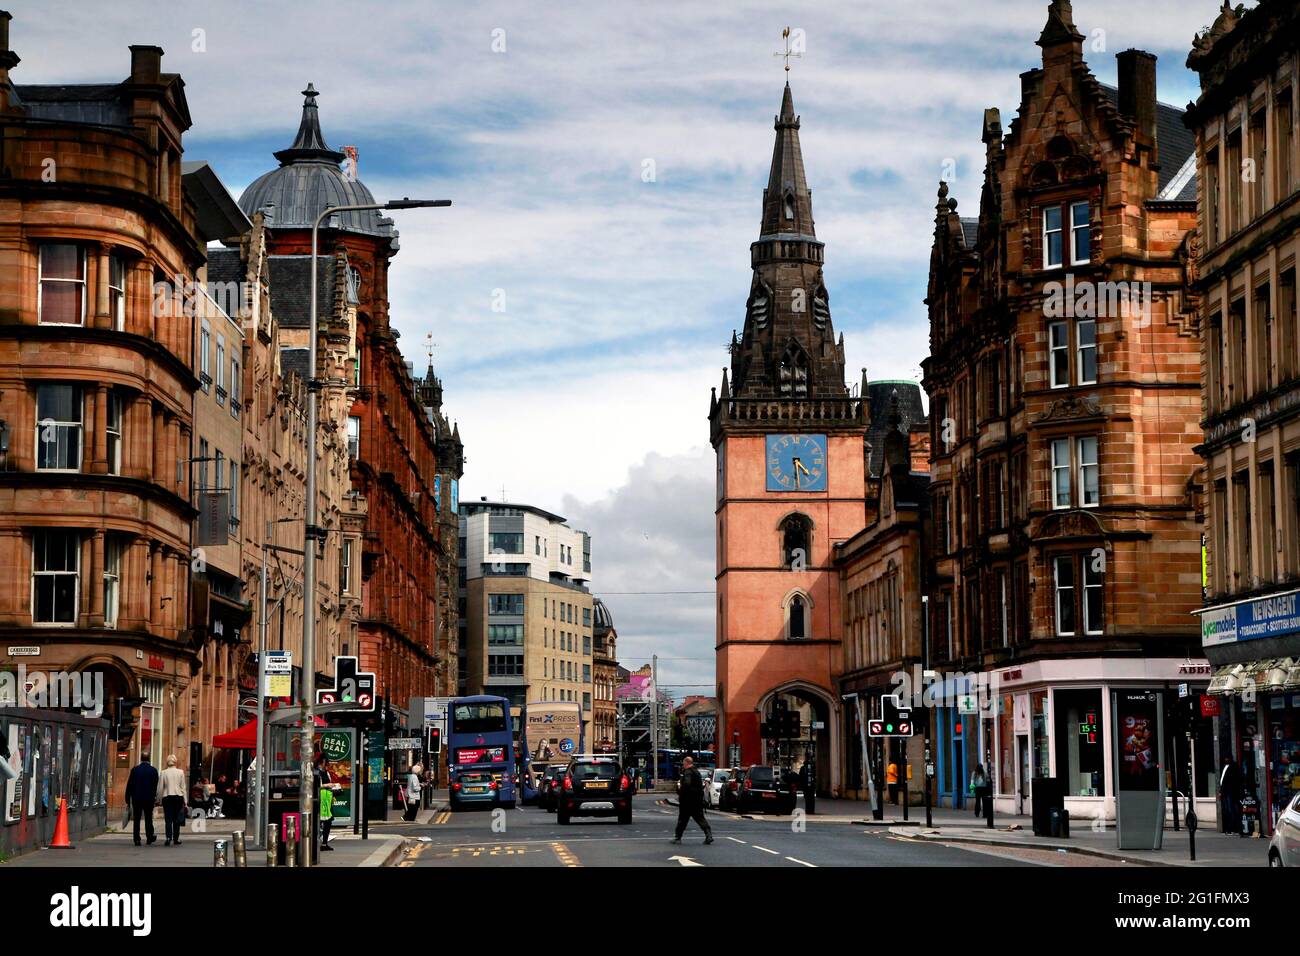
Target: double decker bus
(480, 753)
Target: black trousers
(141, 809)
(686, 814)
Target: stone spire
(1060, 29)
(787, 203)
(309, 145)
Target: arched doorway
(818, 719)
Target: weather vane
(788, 51)
(429, 345)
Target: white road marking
(737, 841)
(685, 861)
(766, 850)
(801, 862)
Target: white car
(1284, 848)
(713, 785)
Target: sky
(606, 163)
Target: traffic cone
(61, 841)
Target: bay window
(56, 577)
(113, 432)
(112, 578)
(61, 284)
(59, 411)
(117, 291)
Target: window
(1059, 347)
(112, 578)
(1263, 321)
(354, 438)
(796, 540)
(113, 432)
(500, 542)
(1063, 577)
(234, 388)
(586, 673)
(61, 285)
(1089, 480)
(1234, 172)
(796, 620)
(234, 495)
(221, 473)
(1285, 152)
(205, 357)
(56, 577)
(1085, 331)
(511, 635)
(117, 291)
(1053, 257)
(203, 464)
(586, 701)
(505, 665)
(1080, 234)
(1213, 216)
(58, 427)
(345, 567)
(537, 545)
(1092, 593)
(586, 644)
(586, 617)
(505, 604)
(1259, 153)
(1061, 473)
(1003, 615)
(221, 370)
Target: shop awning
(241, 738)
(1263, 676)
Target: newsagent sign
(1270, 616)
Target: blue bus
(480, 753)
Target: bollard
(291, 848)
(305, 841)
(1191, 832)
(241, 850)
(272, 845)
(219, 853)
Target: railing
(786, 410)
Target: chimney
(1137, 90)
(1030, 82)
(146, 64)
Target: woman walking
(413, 789)
(171, 793)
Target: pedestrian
(978, 781)
(141, 791)
(413, 790)
(690, 802)
(1230, 796)
(327, 813)
(171, 794)
(808, 782)
(891, 778)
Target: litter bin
(1060, 823)
(1047, 794)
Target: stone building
(1246, 131)
(1064, 381)
(97, 388)
(605, 679)
(387, 530)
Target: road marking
(564, 855)
(685, 861)
(412, 853)
(733, 839)
(766, 850)
(442, 817)
(801, 862)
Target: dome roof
(600, 616)
(308, 180)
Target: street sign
(403, 743)
(351, 686)
(895, 720)
(968, 704)
(25, 650)
(279, 674)
(1182, 690)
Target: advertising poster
(1139, 765)
(336, 751)
(554, 731)
(375, 758)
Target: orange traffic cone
(61, 841)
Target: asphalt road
(527, 836)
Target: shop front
(1254, 646)
(1053, 720)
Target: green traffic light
(889, 728)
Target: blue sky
(588, 394)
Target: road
(527, 836)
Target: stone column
(185, 447)
(155, 589)
(97, 440)
(140, 312)
(95, 582)
(158, 466)
(174, 454)
(102, 319)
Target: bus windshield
(479, 717)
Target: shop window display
(1079, 746)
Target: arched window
(798, 616)
(793, 373)
(789, 206)
(796, 541)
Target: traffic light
(895, 720)
(124, 719)
(433, 740)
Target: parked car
(762, 790)
(594, 786)
(1284, 848)
(714, 784)
(546, 789)
(472, 787)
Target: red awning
(241, 738)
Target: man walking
(690, 801)
(141, 791)
(1230, 796)
(808, 783)
(171, 793)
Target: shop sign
(1209, 706)
(1250, 620)
(24, 650)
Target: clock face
(796, 462)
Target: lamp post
(312, 534)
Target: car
(1284, 848)
(475, 787)
(763, 790)
(548, 785)
(594, 786)
(714, 785)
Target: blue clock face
(796, 462)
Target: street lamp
(311, 532)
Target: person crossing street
(690, 802)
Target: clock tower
(792, 479)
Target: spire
(726, 388)
(309, 145)
(787, 202)
(1060, 28)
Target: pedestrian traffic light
(433, 740)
